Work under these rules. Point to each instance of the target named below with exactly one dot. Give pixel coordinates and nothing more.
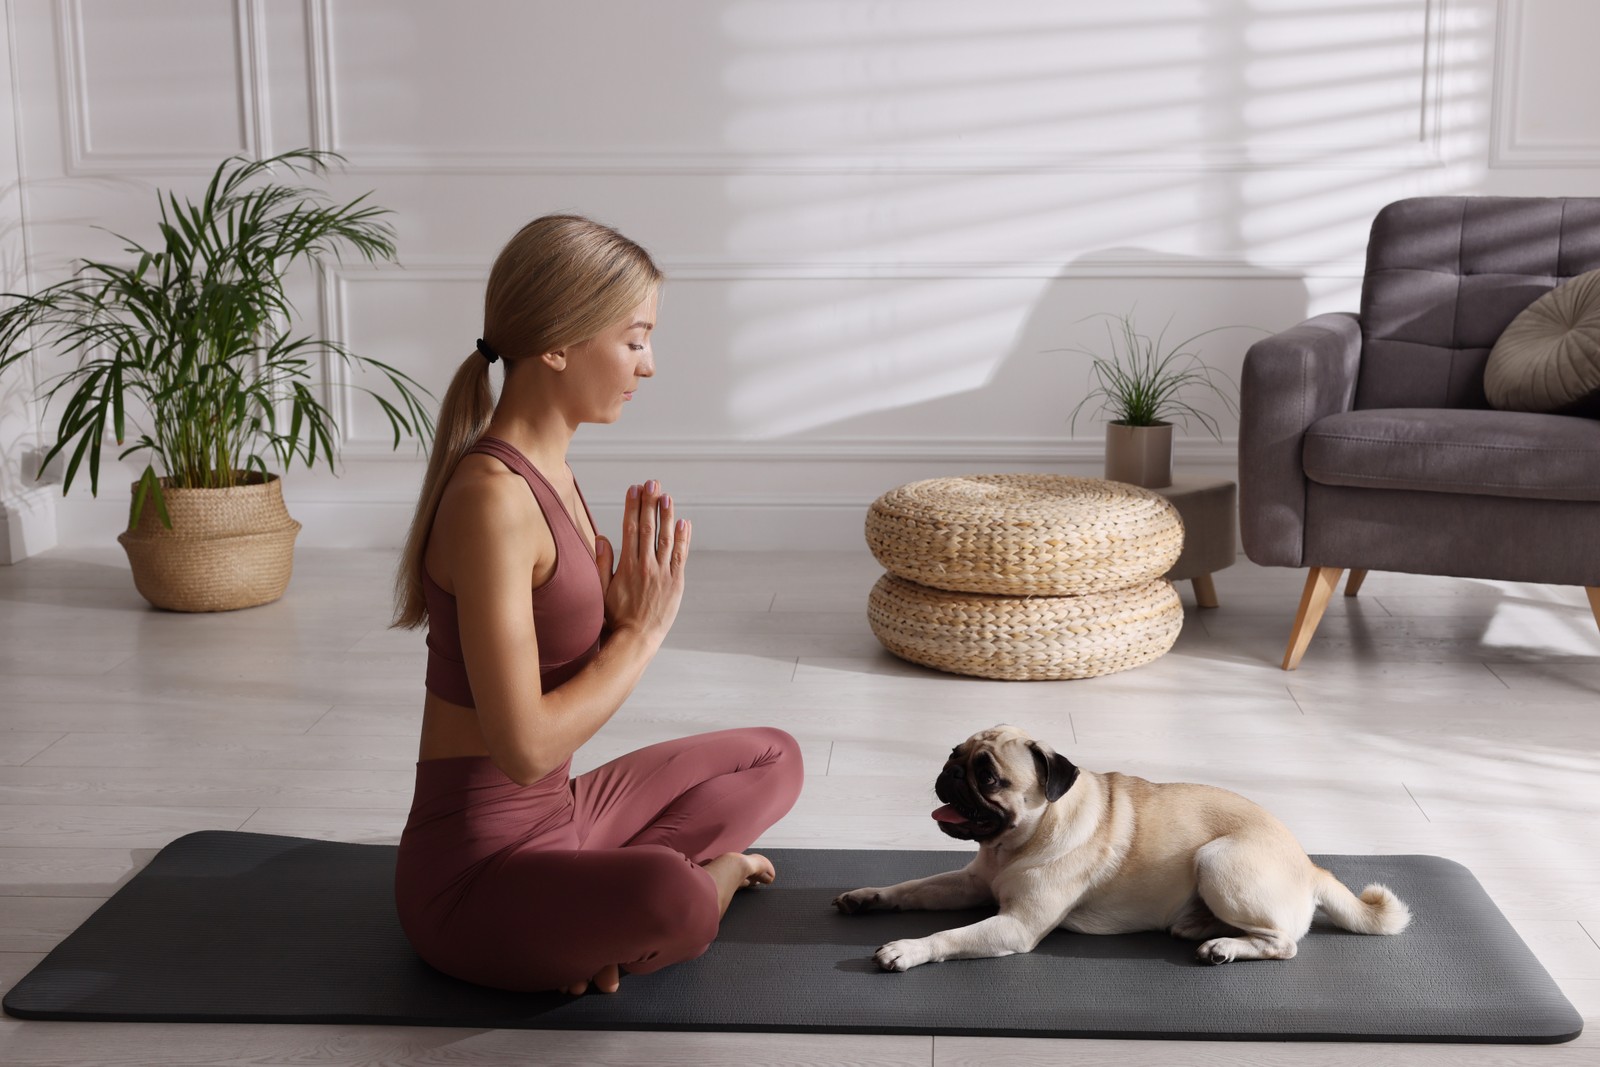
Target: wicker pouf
(1025, 638)
(1025, 576)
(1024, 534)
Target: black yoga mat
(256, 928)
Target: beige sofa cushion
(1548, 359)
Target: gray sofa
(1366, 443)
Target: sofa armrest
(1291, 380)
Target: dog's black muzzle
(955, 787)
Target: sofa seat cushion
(1457, 450)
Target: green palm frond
(197, 328)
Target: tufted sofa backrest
(1446, 275)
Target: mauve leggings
(538, 887)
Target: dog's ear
(1056, 772)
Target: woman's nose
(647, 366)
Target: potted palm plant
(198, 330)
(1141, 385)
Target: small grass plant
(1141, 381)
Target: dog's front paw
(1218, 950)
(903, 955)
(859, 900)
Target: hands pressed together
(643, 577)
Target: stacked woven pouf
(1025, 576)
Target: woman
(511, 873)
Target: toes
(762, 871)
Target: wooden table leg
(1594, 601)
(1353, 586)
(1320, 584)
(1205, 591)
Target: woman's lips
(628, 395)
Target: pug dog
(1111, 853)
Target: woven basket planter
(227, 549)
(1024, 534)
(1025, 638)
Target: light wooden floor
(1430, 715)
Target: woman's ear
(556, 360)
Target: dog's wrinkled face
(996, 781)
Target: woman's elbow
(528, 772)
(528, 768)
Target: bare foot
(607, 981)
(758, 870)
(733, 871)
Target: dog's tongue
(948, 813)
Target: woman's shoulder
(483, 492)
(485, 506)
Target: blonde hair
(560, 280)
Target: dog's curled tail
(1376, 911)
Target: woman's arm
(529, 734)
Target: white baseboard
(750, 496)
(810, 522)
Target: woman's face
(604, 370)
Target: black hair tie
(488, 353)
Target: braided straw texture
(227, 549)
(1025, 638)
(1024, 534)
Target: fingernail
(669, 503)
(683, 524)
(633, 491)
(655, 486)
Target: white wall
(27, 508)
(877, 218)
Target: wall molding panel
(1510, 146)
(254, 101)
(1220, 155)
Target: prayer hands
(643, 580)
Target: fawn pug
(1111, 853)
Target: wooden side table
(1210, 512)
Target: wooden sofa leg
(1320, 584)
(1594, 601)
(1353, 585)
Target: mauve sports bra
(569, 610)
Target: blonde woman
(511, 872)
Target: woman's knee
(678, 899)
(786, 757)
(771, 746)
